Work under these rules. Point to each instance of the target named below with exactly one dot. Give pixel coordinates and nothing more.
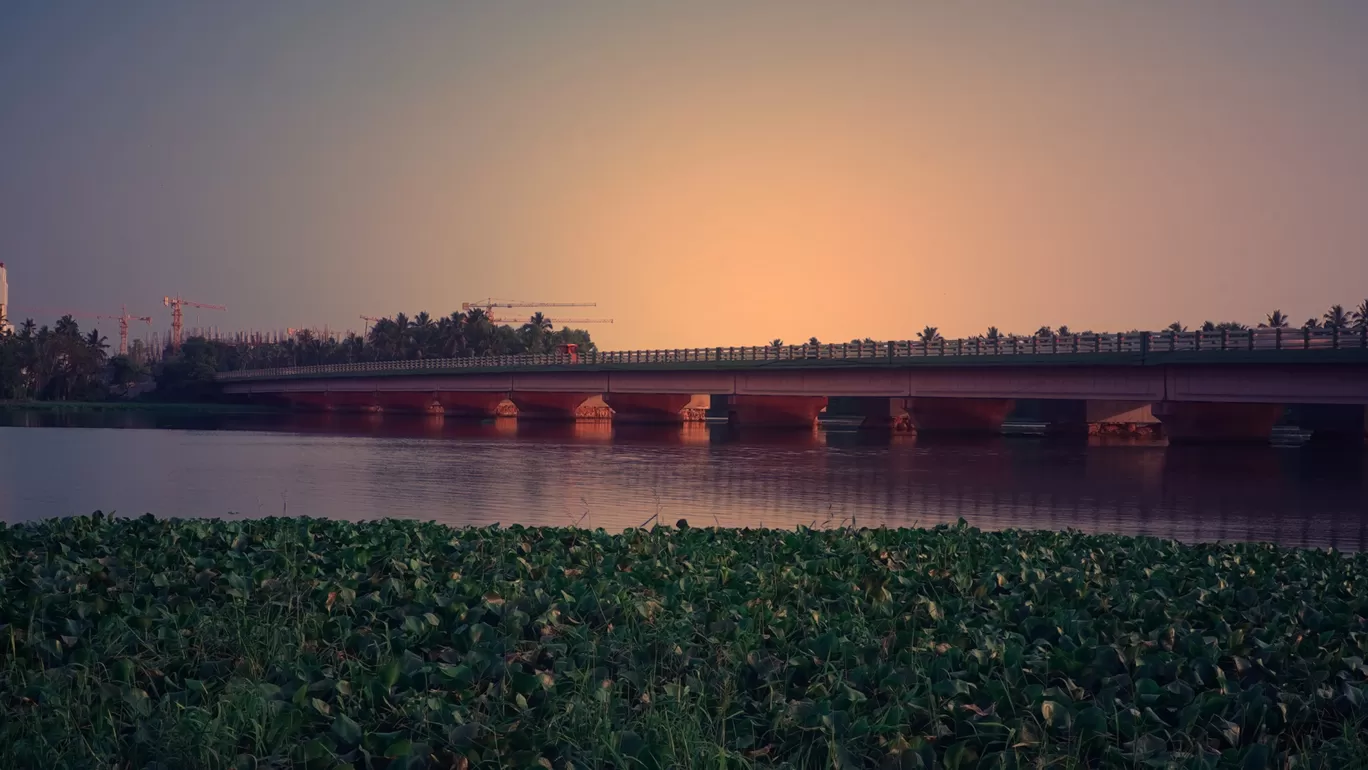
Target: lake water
(592, 474)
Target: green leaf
(347, 730)
(389, 673)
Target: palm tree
(540, 321)
(1361, 315)
(813, 342)
(1045, 332)
(1275, 320)
(1208, 326)
(1311, 323)
(776, 343)
(992, 335)
(1176, 328)
(1336, 317)
(929, 334)
(97, 345)
(1062, 331)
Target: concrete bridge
(1197, 385)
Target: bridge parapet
(1134, 348)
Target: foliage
(186, 373)
(402, 644)
(1275, 320)
(929, 334)
(1336, 318)
(56, 363)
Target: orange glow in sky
(710, 174)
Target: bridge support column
(878, 412)
(547, 406)
(775, 411)
(463, 404)
(1334, 423)
(958, 415)
(648, 407)
(411, 402)
(354, 401)
(1193, 421)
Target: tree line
(1336, 317)
(62, 364)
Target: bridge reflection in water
(597, 474)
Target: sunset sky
(709, 173)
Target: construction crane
(178, 317)
(123, 318)
(502, 320)
(488, 305)
(370, 321)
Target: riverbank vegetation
(38, 363)
(400, 644)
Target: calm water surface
(591, 474)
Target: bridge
(1225, 385)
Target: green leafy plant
(398, 644)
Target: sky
(708, 173)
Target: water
(591, 474)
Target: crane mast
(178, 317)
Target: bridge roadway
(1198, 386)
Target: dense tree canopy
(58, 363)
(61, 363)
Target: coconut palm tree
(992, 335)
(1062, 331)
(1044, 332)
(929, 334)
(540, 321)
(1361, 315)
(1336, 317)
(97, 346)
(1176, 328)
(1311, 323)
(1275, 320)
(776, 343)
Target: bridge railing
(1070, 344)
(1262, 338)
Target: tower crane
(178, 317)
(488, 305)
(370, 321)
(503, 320)
(123, 318)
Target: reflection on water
(596, 474)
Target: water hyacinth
(273, 643)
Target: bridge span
(1198, 386)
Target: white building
(4, 300)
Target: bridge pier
(353, 401)
(534, 405)
(1194, 421)
(878, 413)
(958, 415)
(415, 402)
(1087, 417)
(463, 404)
(648, 407)
(775, 411)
